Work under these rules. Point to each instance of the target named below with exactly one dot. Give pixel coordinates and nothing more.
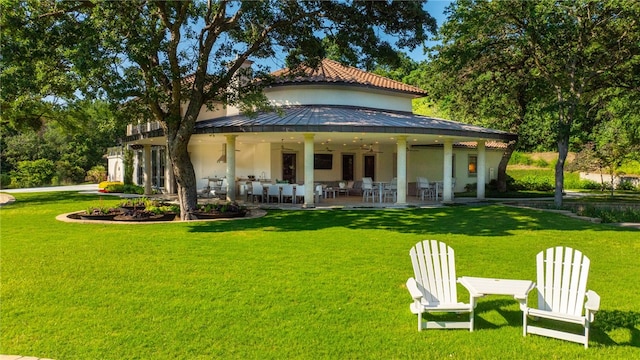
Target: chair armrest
(415, 292)
(593, 301)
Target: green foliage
(630, 167)
(97, 174)
(68, 173)
(535, 182)
(611, 214)
(125, 189)
(33, 173)
(541, 163)
(519, 158)
(5, 180)
(542, 69)
(128, 167)
(76, 141)
(543, 180)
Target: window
(323, 161)
(473, 165)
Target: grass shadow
(616, 321)
(491, 220)
(513, 318)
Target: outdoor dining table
(380, 186)
(265, 191)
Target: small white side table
(479, 287)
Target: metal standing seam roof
(327, 118)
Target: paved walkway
(19, 357)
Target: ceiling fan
(327, 149)
(367, 148)
(283, 148)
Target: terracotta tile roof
(330, 71)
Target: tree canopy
(541, 66)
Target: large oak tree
(144, 50)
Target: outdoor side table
(479, 287)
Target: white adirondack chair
(561, 284)
(433, 288)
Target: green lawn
(293, 284)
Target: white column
(169, 178)
(147, 169)
(447, 191)
(231, 167)
(481, 169)
(309, 189)
(402, 171)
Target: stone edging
(253, 214)
(562, 212)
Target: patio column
(146, 153)
(402, 171)
(309, 189)
(231, 167)
(447, 191)
(169, 178)
(481, 171)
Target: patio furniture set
(291, 193)
(561, 285)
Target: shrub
(535, 182)
(542, 163)
(471, 187)
(125, 189)
(5, 181)
(34, 173)
(97, 174)
(66, 173)
(104, 184)
(590, 185)
(626, 185)
(518, 158)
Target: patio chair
(287, 193)
(300, 194)
(367, 189)
(390, 190)
(561, 284)
(257, 190)
(424, 188)
(273, 191)
(433, 287)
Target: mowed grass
(293, 284)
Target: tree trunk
(563, 150)
(185, 177)
(502, 167)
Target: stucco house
(337, 123)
